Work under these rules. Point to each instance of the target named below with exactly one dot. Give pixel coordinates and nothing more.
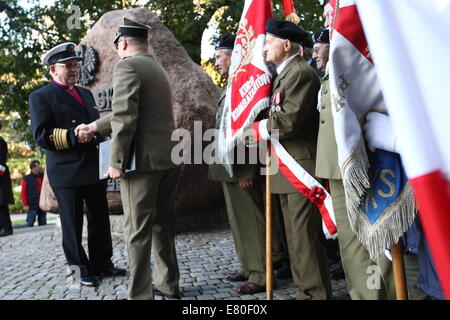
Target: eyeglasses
(73, 65)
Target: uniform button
(119, 161)
(96, 147)
(322, 121)
(74, 121)
(323, 106)
(325, 91)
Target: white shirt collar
(285, 63)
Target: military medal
(275, 102)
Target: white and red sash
(306, 184)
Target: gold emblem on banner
(248, 41)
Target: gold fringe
(293, 17)
(355, 177)
(390, 227)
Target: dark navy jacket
(414, 242)
(54, 116)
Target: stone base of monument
(184, 223)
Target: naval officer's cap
(286, 30)
(63, 52)
(321, 36)
(132, 29)
(225, 41)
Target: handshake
(85, 132)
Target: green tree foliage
(29, 28)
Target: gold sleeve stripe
(55, 138)
(65, 143)
(60, 139)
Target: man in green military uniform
(296, 120)
(242, 198)
(355, 258)
(143, 115)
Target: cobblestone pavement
(34, 267)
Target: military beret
(307, 43)
(321, 36)
(286, 30)
(132, 29)
(225, 41)
(60, 53)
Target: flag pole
(269, 266)
(398, 264)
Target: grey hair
(295, 46)
(226, 51)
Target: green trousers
(248, 229)
(303, 225)
(412, 277)
(366, 280)
(150, 224)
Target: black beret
(307, 43)
(321, 36)
(225, 41)
(286, 30)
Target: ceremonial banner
(380, 204)
(248, 93)
(416, 86)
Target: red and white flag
(248, 93)
(415, 85)
(249, 82)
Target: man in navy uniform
(72, 166)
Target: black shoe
(112, 272)
(166, 296)
(89, 281)
(4, 233)
(283, 273)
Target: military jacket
(296, 118)
(54, 116)
(327, 158)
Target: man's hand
(114, 173)
(85, 132)
(245, 183)
(379, 133)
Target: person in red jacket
(31, 190)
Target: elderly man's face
(321, 53)
(275, 49)
(223, 61)
(66, 72)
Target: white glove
(379, 133)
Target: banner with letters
(380, 203)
